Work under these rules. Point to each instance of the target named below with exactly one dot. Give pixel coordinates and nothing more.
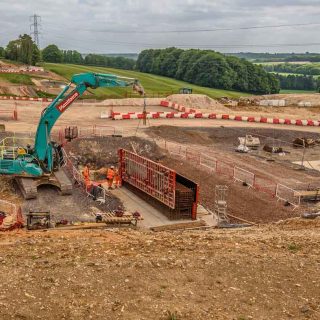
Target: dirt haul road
(86, 114)
(259, 273)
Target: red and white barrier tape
(188, 113)
(19, 71)
(25, 98)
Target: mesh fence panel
(225, 168)
(208, 163)
(244, 176)
(287, 194)
(265, 185)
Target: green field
(154, 85)
(273, 63)
(16, 78)
(297, 91)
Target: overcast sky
(109, 26)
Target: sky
(129, 26)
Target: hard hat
(112, 167)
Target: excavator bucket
(138, 88)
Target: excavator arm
(40, 160)
(43, 148)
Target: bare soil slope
(261, 273)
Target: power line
(34, 25)
(209, 30)
(199, 46)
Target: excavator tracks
(59, 179)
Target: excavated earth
(100, 152)
(264, 273)
(242, 202)
(103, 151)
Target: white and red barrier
(21, 70)
(25, 98)
(189, 113)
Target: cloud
(112, 25)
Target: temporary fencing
(265, 185)
(287, 194)
(244, 176)
(225, 168)
(78, 180)
(177, 149)
(208, 163)
(10, 216)
(253, 180)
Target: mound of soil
(132, 102)
(199, 102)
(103, 151)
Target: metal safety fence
(289, 195)
(250, 179)
(78, 179)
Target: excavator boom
(41, 161)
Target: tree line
(299, 82)
(277, 57)
(24, 50)
(305, 69)
(208, 68)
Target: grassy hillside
(153, 84)
(296, 91)
(16, 78)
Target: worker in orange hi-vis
(117, 180)
(86, 175)
(110, 176)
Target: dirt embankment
(257, 273)
(242, 202)
(103, 151)
(227, 135)
(199, 102)
(129, 102)
(16, 90)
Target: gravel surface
(73, 208)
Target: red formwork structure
(175, 195)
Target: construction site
(176, 207)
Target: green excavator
(41, 164)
